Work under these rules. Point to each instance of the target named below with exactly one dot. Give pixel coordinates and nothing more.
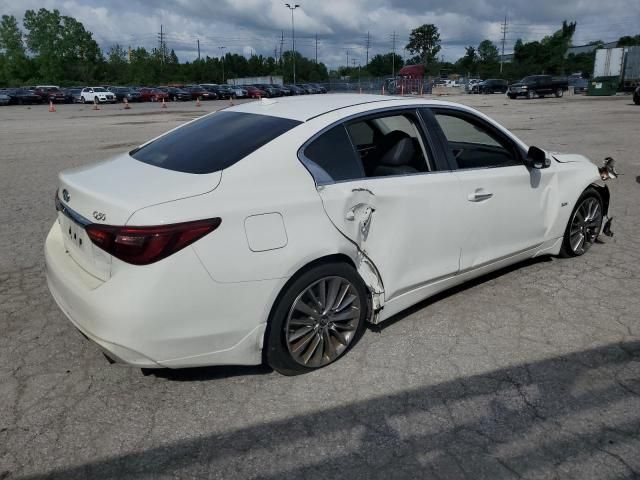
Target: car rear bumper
(168, 314)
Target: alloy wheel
(585, 225)
(323, 321)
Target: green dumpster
(603, 86)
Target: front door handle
(479, 195)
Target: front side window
(473, 144)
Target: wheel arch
(605, 194)
(323, 260)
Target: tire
(512, 97)
(175, 99)
(531, 94)
(584, 224)
(559, 93)
(332, 337)
(83, 100)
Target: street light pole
(293, 38)
(222, 55)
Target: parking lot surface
(531, 372)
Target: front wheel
(584, 224)
(559, 93)
(83, 100)
(317, 319)
(531, 94)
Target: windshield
(98, 89)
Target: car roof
(307, 107)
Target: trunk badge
(66, 196)
(99, 216)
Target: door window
(386, 145)
(473, 144)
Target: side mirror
(537, 158)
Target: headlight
(524, 87)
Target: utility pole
(504, 37)
(222, 47)
(198, 49)
(293, 38)
(161, 46)
(368, 46)
(347, 58)
(394, 37)
(316, 48)
(281, 44)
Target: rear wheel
(83, 100)
(317, 319)
(531, 94)
(559, 93)
(584, 224)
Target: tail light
(145, 245)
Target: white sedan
(275, 230)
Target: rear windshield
(214, 142)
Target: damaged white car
(275, 230)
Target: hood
(569, 158)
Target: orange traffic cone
(198, 104)
(126, 104)
(52, 108)
(164, 105)
(259, 96)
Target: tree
(487, 52)
(424, 42)
(629, 41)
(14, 59)
(381, 65)
(468, 63)
(63, 48)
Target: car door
(385, 190)
(506, 206)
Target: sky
(258, 26)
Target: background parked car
(636, 96)
(238, 92)
(71, 95)
(50, 93)
(578, 84)
(148, 94)
(129, 93)
(538, 85)
(492, 85)
(197, 91)
(4, 99)
(176, 94)
(319, 87)
(254, 92)
(99, 94)
(221, 92)
(268, 90)
(21, 96)
(296, 90)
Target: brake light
(145, 245)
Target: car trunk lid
(109, 193)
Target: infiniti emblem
(66, 196)
(99, 216)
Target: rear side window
(214, 142)
(331, 157)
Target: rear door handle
(479, 195)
